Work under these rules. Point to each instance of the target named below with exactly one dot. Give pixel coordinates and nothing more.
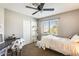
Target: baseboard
(28, 42)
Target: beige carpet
(32, 50)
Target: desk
(4, 46)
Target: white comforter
(62, 45)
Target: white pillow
(75, 38)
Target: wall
(68, 23)
(14, 23)
(2, 19)
(2, 24)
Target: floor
(32, 50)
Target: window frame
(57, 20)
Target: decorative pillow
(75, 38)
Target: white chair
(18, 45)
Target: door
(26, 31)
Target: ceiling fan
(40, 8)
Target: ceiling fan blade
(35, 12)
(50, 9)
(31, 7)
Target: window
(49, 27)
(46, 27)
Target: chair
(17, 47)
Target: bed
(63, 45)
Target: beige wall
(68, 23)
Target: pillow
(75, 38)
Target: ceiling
(59, 8)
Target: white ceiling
(59, 8)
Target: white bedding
(62, 45)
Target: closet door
(26, 31)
